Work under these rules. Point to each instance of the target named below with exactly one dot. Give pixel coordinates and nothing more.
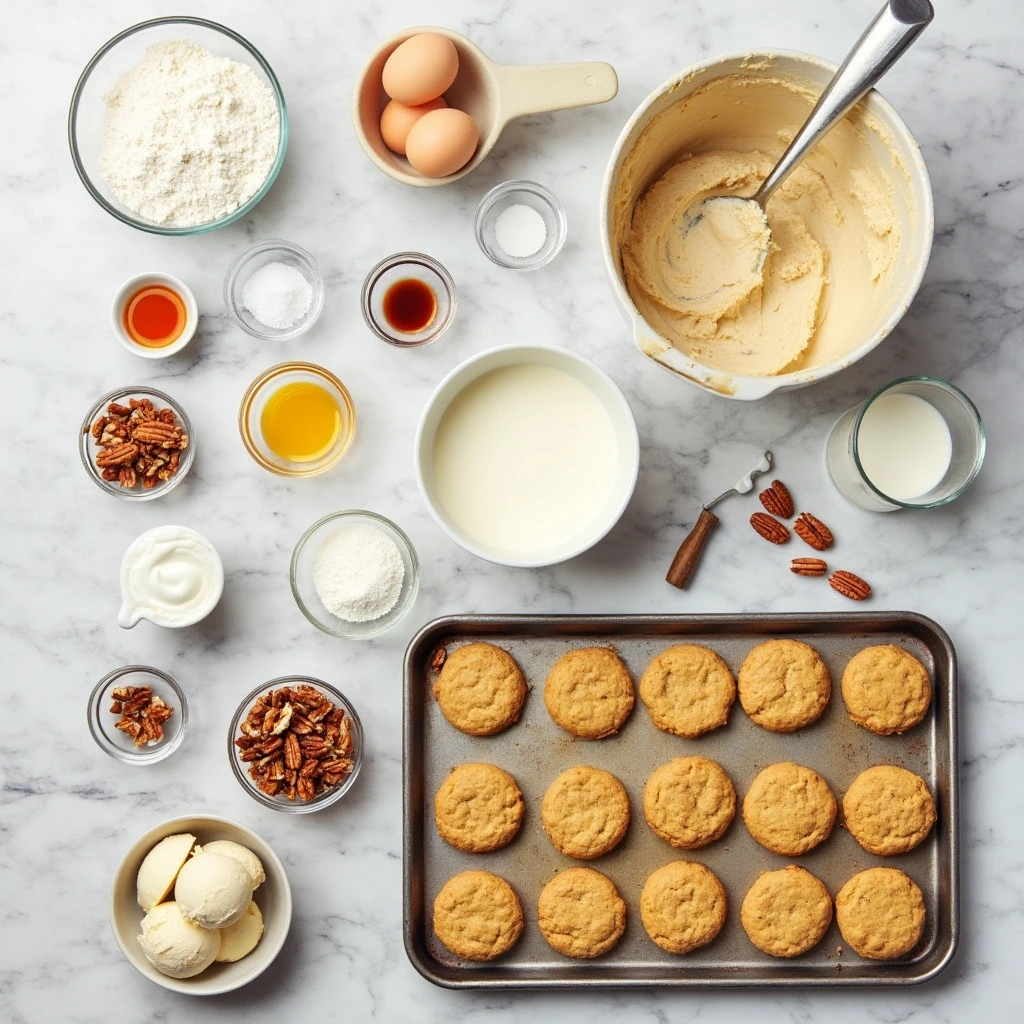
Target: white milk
(904, 446)
(524, 459)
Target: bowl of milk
(527, 455)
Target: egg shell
(396, 121)
(420, 69)
(441, 142)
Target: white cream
(170, 575)
(524, 459)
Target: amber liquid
(154, 316)
(410, 305)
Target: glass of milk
(916, 443)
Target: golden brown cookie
(585, 812)
(581, 913)
(888, 810)
(786, 912)
(688, 690)
(880, 913)
(477, 915)
(683, 906)
(784, 685)
(689, 802)
(886, 689)
(589, 692)
(480, 689)
(789, 809)
(478, 808)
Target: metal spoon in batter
(728, 218)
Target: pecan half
(777, 500)
(811, 530)
(769, 527)
(808, 566)
(849, 585)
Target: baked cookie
(589, 692)
(585, 812)
(784, 685)
(786, 912)
(888, 810)
(683, 906)
(886, 689)
(480, 689)
(880, 913)
(581, 913)
(688, 690)
(478, 808)
(477, 915)
(689, 802)
(789, 809)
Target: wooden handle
(689, 551)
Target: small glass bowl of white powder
(354, 574)
(274, 290)
(520, 225)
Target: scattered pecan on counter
(138, 443)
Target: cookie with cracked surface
(477, 915)
(689, 802)
(886, 689)
(589, 692)
(880, 913)
(888, 810)
(789, 809)
(478, 808)
(683, 906)
(786, 912)
(585, 812)
(480, 689)
(580, 913)
(688, 690)
(784, 685)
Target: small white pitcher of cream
(170, 575)
(916, 443)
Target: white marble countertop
(69, 813)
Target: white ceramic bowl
(913, 195)
(125, 292)
(600, 385)
(273, 897)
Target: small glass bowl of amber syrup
(154, 315)
(409, 300)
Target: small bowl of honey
(409, 300)
(154, 315)
(297, 419)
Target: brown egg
(397, 119)
(420, 69)
(441, 142)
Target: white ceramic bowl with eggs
(611, 452)
(273, 897)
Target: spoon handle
(690, 550)
(886, 39)
(539, 88)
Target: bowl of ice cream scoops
(851, 229)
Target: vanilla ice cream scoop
(176, 946)
(212, 890)
(239, 939)
(160, 868)
(242, 854)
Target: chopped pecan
(142, 443)
(141, 713)
(292, 752)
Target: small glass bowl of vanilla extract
(409, 300)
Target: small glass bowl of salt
(274, 290)
(520, 225)
(354, 574)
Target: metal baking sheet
(535, 750)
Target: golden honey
(301, 421)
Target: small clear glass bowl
(88, 448)
(120, 745)
(281, 802)
(400, 267)
(88, 112)
(520, 193)
(251, 411)
(304, 590)
(257, 255)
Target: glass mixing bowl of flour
(87, 123)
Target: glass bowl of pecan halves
(296, 744)
(137, 443)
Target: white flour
(358, 573)
(189, 136)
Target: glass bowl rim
(390, 262)
(535, 188)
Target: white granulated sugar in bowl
(189, 137)
(358, 573)
(278, 295)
